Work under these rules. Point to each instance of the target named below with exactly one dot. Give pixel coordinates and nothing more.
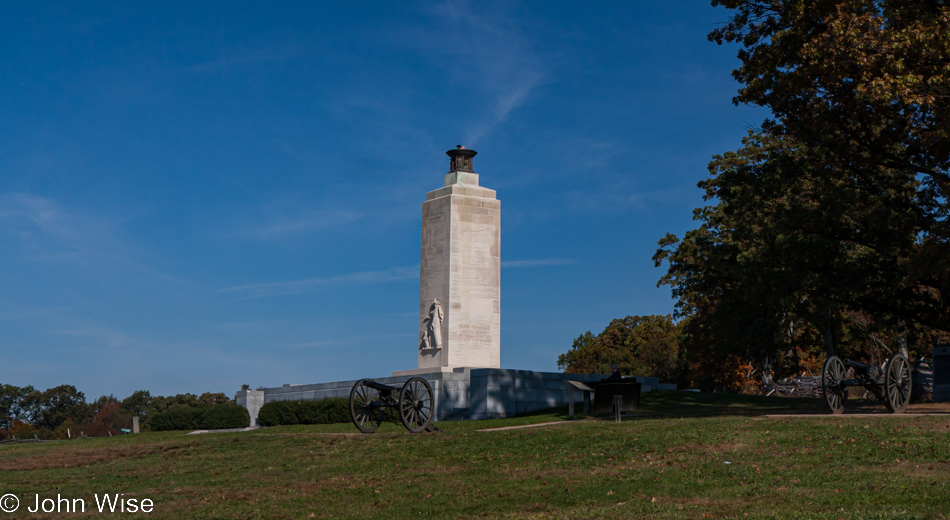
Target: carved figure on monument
(434, 327)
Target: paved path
(224, 430)
(538, 425)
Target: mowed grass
(685, 455)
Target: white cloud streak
(103, 336)
(306, 222)
(15, 312)
(285, 288)
(50, 231)
(238, 58)
(339, 342)
(495, 56)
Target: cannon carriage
(414, 402)
(891, 384)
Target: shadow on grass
(656, 404)
(692, 404)
(698, 404)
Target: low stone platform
(464, 393)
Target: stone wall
(450, 390)
(499, 393)
(476, 393)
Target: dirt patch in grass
(714, 448)
(692, 501)
(327, 435)
(83, 457)
(923, 470)
(874, 407)
(539, 510)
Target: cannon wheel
(897, 384)
(365, 410)
(832, 377)
(415, 404)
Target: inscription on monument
(479, 333)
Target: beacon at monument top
(461, 159)
(460, 168)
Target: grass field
(686, 455)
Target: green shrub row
(324, 411)
(213, 417)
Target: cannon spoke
(416, 404)
(365, 410)
(832, 384)
(897, 384)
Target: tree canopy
(62, 411)
(639, 345)
(837, 207)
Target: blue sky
(194, 196)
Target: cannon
(369, 401)
(890, 384)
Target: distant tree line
(62, 411)
(828, 230)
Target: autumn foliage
(639, 345)
(827, 231)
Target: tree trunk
(829, 337)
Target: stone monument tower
(460, 278)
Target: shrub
(221, 416)
(213, 417)
(175, 418)
(323, 411)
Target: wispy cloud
(10, 311)
(284, 288)
(305, 222)
(49, 231)
(337, 342)
(103, 336)
(618, 201)
(36, 219)
(497, 58)
(540, 262)
(245, 57)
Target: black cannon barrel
(857, 364)
(863, 369)
(379, 386)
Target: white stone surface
(461, 267)
(420, 371)
(252, 400)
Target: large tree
(61, 404)
(839, 205)
(863, 86)
(15, 405)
